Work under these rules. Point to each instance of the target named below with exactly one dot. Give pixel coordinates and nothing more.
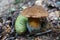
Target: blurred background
(10, 9)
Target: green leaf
(19, 1)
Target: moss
(20, 24)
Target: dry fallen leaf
(6, 30)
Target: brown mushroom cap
(35, 12)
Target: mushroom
(36, 16)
